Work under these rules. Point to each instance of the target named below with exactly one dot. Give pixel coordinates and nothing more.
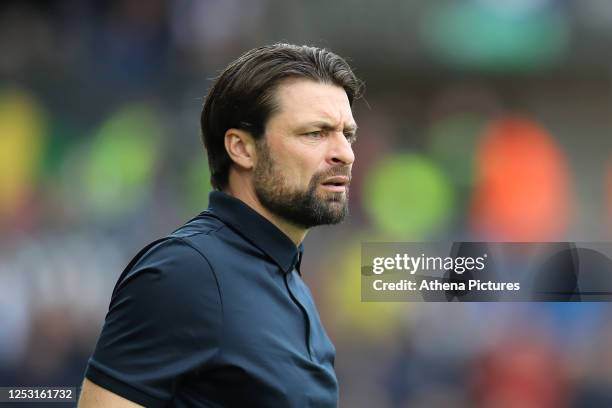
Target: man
(217, 314)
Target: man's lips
(336, 183)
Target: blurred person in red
(523, 186)
(520, 372)
(217, 313)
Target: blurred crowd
(482, 120)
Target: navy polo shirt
(216, 315)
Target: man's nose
(341, 151)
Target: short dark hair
(242, 97)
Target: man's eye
(316, 133)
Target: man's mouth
(336, 183)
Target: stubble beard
(304, 208)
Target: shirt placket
(300, 297)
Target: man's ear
(240, 146)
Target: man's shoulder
(180, 260)
(205, 223)
(206, 234)
(190, 242)
(202, 243)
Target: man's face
(304, 160)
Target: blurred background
(482, 119)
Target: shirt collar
(256, 229)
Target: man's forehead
(307, 100)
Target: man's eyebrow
(352, 127)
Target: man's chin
(336, 208)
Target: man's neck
(247, 196)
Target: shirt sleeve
(164, 321)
